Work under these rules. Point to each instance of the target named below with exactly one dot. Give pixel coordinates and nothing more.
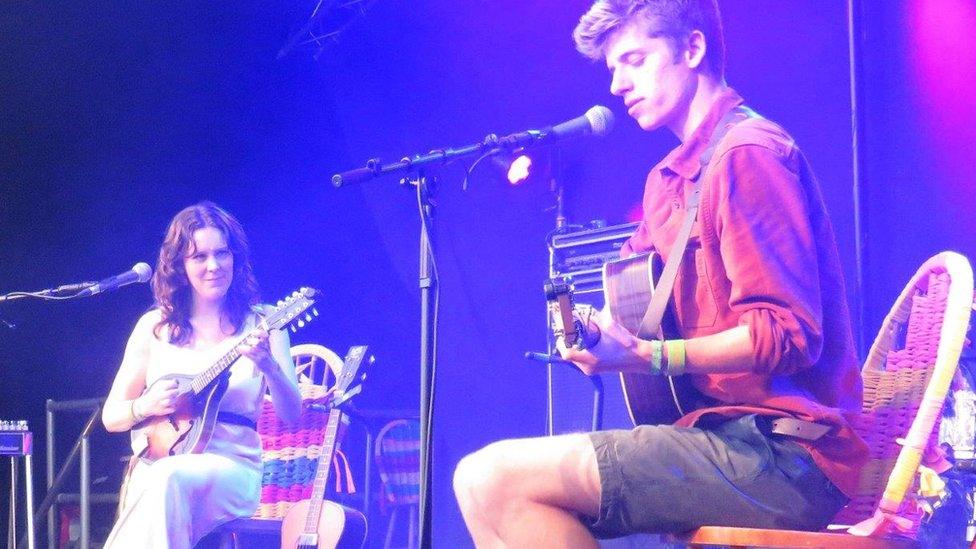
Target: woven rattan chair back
(906, 377)
(290, 452)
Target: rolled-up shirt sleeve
(760, 213)
(639, 240)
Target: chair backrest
(291, 452)
(316, 364)
(397, 455)
(906, 377)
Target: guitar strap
(651, 323)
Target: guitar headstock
(349, 382)
(559, 299)
(293, 311)
(567, 320)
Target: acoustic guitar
(189, 428)
(315, 523)
(628, 285)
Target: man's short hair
(673, 19)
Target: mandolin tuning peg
(280, 302)
(315, 312)
(301, 323)
(293, 329)
(308, 317)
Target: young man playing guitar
(761, 331)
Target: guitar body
(188, 429)
(628, 285)
(338, 527)
(315, 523)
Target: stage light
(519, 170)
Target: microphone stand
(414, 168)
(416, 177)
(60, 293)
(36, 517)
(429, 299)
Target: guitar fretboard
(322, 472)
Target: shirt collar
(685, 159)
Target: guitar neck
(322, 472)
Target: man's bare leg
(530, 492)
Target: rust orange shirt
(762, 254)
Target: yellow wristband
(676, 357)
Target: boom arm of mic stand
(374, 168)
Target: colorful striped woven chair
(397, 456)
(290, 452)
(906, 377)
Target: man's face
(653, 79)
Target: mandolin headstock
(294, 311)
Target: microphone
(596, 122)
(140, 272)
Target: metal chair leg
(412, 528)
(389, 528)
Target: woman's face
(209, 265)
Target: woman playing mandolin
(206, 303)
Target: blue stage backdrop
(115, 115)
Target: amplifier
(579, 256)
(15, 439)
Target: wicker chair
(290, 453)
(906, 378)
(398, 460)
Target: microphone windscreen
(600, 119)
(143, 270)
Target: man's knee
(480, 476)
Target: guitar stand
(597, 402)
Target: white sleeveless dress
(175, 501)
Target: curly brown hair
(170, 285)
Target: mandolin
(189, 428)
(315, 523)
